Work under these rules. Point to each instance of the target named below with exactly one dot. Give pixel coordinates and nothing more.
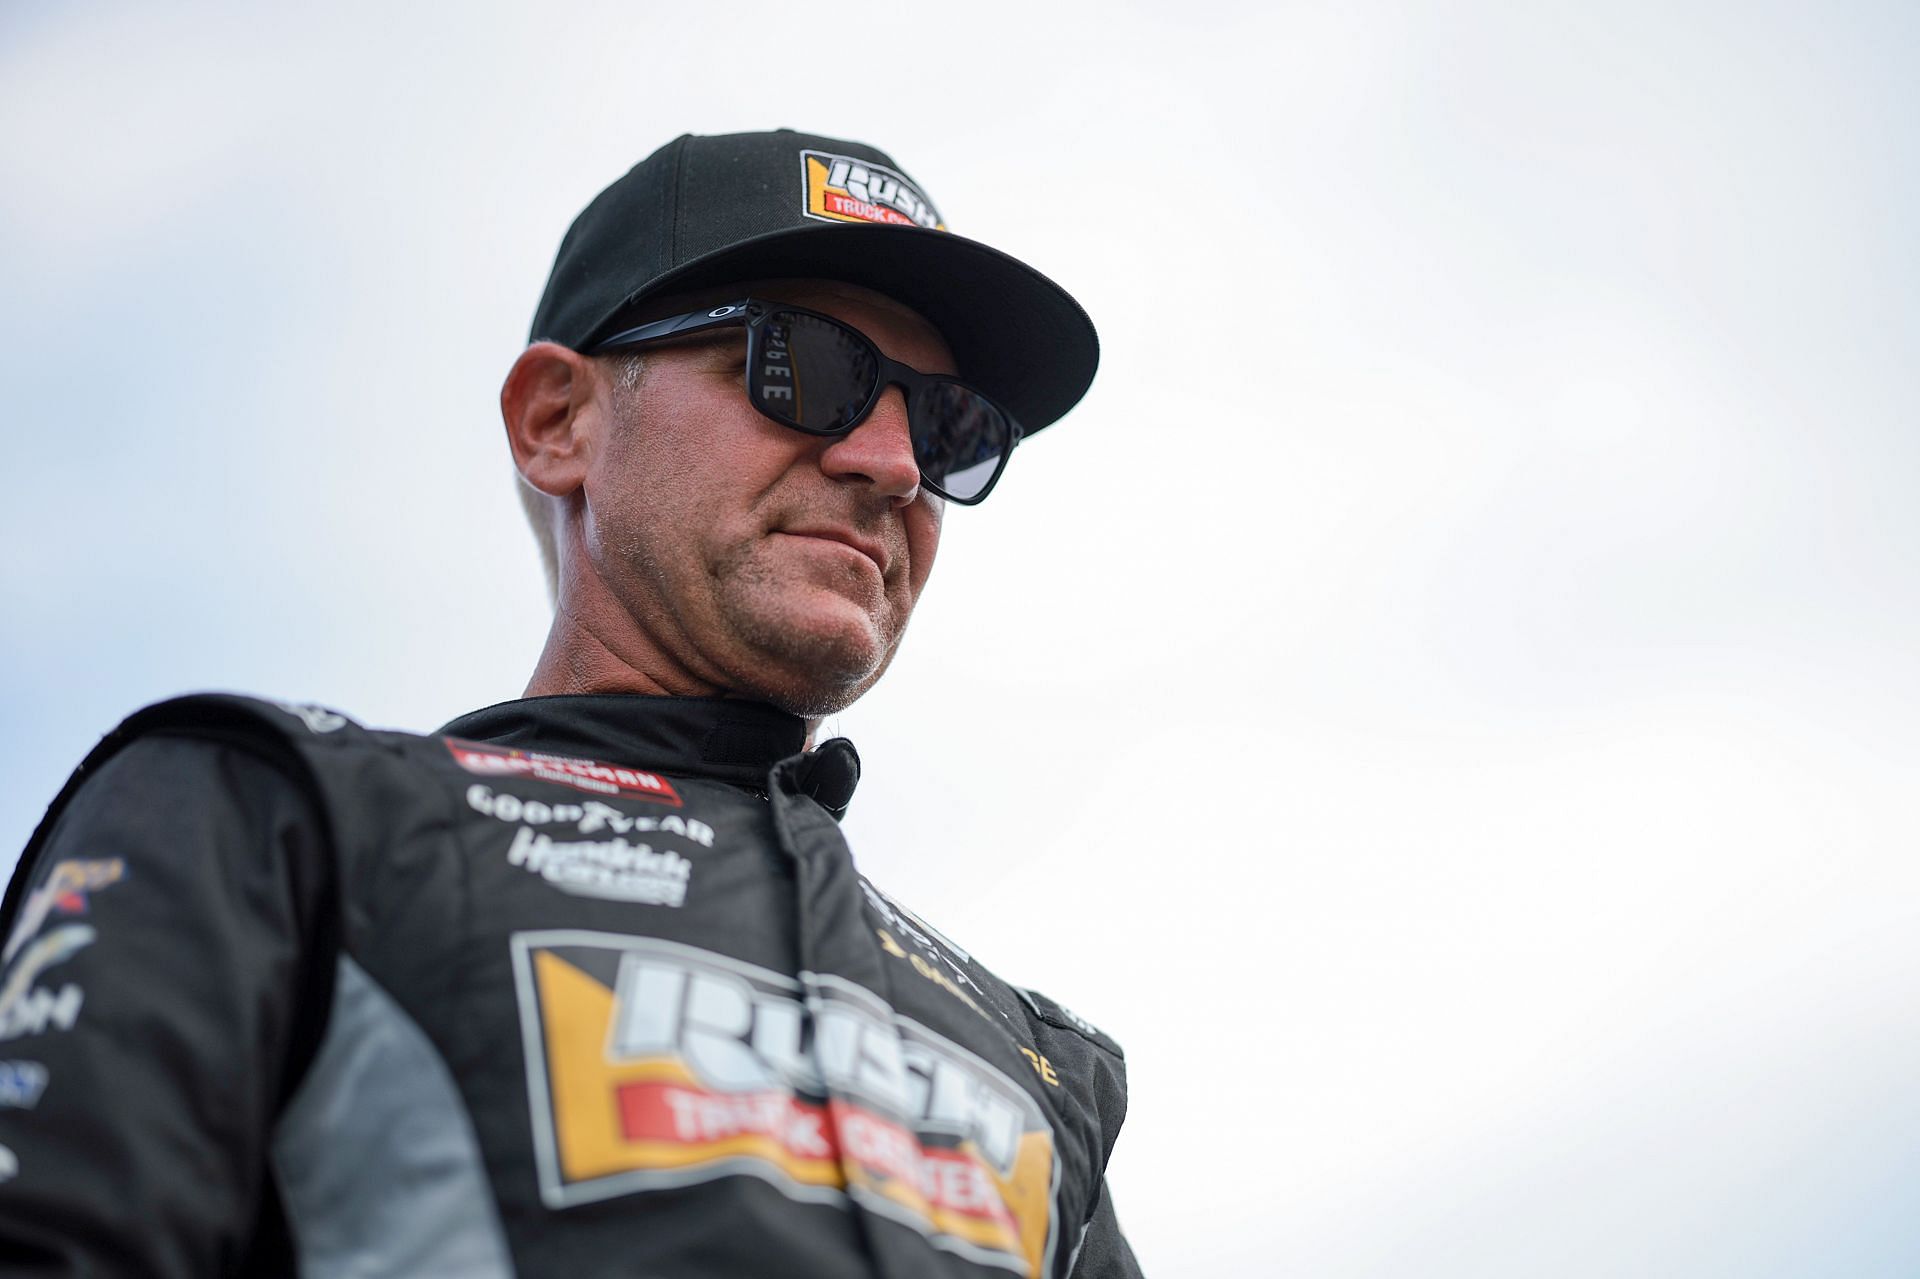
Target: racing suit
(580, 986)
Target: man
(587, 983)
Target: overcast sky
(1446, 700)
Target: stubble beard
(800, 665)
(772, 645)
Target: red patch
(588, 775)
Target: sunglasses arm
(732, 313)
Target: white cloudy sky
(1447, 700)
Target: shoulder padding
(1060, 1017)
(264, 728)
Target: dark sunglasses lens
(813, 373)
(960, 439)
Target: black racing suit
(582, 986)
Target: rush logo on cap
(840, 188)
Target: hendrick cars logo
(608, 868)
(652, 1064)
(489, 760)
(840, 188)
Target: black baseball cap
(707, 211)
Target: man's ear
(551, 403)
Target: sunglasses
(810, 372)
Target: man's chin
(815, 660)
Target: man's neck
(588, 653)
(576, 661)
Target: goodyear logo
(653, 1064)
(840, 188)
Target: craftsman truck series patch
(488, 760)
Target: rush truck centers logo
(652, 1064)
(840, 188)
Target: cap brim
(1014, 333)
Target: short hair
(539, 509)
(624, 369)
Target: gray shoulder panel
(376, 1155)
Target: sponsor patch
(1072, 1018)
(908, 922)
(609, 868)
(21, 1083)
(941, 963)
(489, 760)
(589, 818)
(318, 719)
(652, 1065)
(931, 971)
(27, 1009)
(840, 188)
(64, 892)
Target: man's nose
(879, 451)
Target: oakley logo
(721, 312)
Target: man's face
(754, 557)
